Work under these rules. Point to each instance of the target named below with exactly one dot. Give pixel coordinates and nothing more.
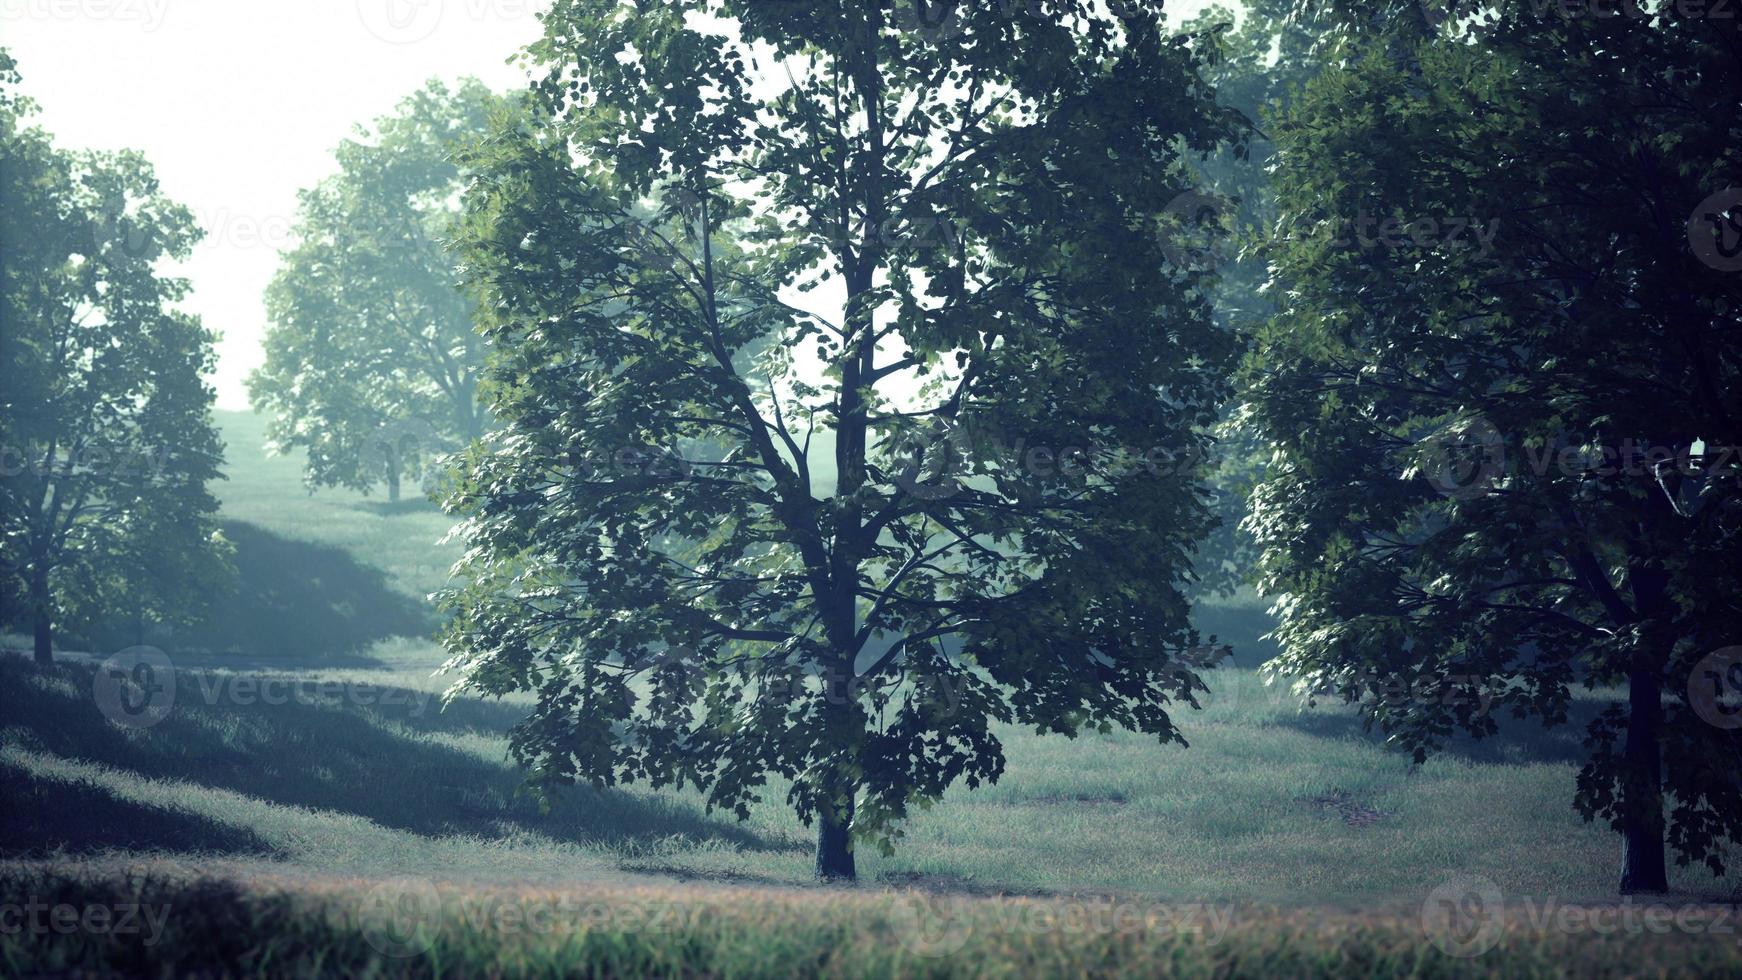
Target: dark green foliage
(106, 440)
(772, 371)
(1454, 506)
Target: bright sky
(239, 103)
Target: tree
(842, 406)
(106, 440)
(1501, 391)
(372, 359)
(1256, 62)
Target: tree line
(720, 336)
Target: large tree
(372, 359)
(1504, 352)
(838, 358)
(106, 440)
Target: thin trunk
(835, 843)
(1642, 850)
(42, 612)
(393, 485)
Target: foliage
(106, 441)
(372, 360)
(1489, 479)
(923, 414)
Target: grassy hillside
(293, 768)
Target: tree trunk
(1642, 851)
(393, 485)
(835, 843)
(42, 612)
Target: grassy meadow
(307, 776)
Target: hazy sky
(239, 103)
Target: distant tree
(730, 535)
(1256, 60)
(1505, 349)
(106, 439)
(372, 359)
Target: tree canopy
(847, 396)
(372, 359)
(106, 440)
(1502, 393)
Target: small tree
(1503, 346)
(844, 420)
(106, 440)
(372, 359)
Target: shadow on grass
(45, 816)
(388, 754)
(1519, 740)
(293, 600)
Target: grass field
(306, 778)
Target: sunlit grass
(1274, 807)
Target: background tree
(372, 359)
(892, 390)
(1540, 552)
(106, 440)
(1257, 60)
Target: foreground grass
(305, 774)
(182, 924)
(361, 772)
